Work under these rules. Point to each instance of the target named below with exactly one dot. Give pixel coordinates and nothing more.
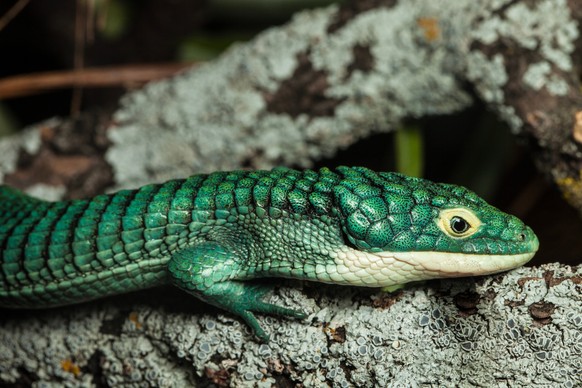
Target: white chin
(382, 269)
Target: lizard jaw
(384, 269)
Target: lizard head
(435, 229)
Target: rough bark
(519, 329)
(294, 94)
(302, 91)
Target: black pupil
(459, 225)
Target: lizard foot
(209, 271)
(245, 300)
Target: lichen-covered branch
(533, 50)
(294, 94)
(300, 92)
(519, 329)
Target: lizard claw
(252, 303)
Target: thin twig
(127, 75)
(90, 21)
(79, 54)
(12, 12)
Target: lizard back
(55, 253)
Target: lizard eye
(459, 225)
(458, 222)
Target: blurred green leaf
(113, 18)
(274, 11)
(409, 150)
(204, 47)
(8, 123)
(485, 155)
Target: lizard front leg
(210, 270)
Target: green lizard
(210, 234)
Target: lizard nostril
(521, 237)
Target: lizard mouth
(385, 269)
(446, 264)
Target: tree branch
(295, 94)
(523, 328)
(302, 91)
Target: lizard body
(210, 234)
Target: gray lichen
(10, 147)
(545, 27)
(384, 65)
(351, 338)
(217, 116)
(221, 108)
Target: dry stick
(79, 60)
(24, 85)
(90, 22)
(12, 12)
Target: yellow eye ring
(458, 222)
